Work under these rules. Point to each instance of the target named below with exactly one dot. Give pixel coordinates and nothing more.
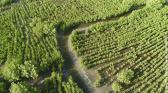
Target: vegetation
(125, 76)
(22, 87)
(130, 47)
(116, 86)
(28, 47)
(55, 84)
(4, 2)
(135, 42)
(11, 71)
(4, 87)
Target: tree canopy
(116, 86)
(125, 76)
(4, 2)
(22, 87)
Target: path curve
(72, 64)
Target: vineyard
(124, 42)
(137, 43)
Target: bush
(155, 3)
(125, 76)
(116, 86)
(10, 71)
(13, 70)
(4, 2)
(22, 87)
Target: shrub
(116, 86)
(10, 71)
(22, 87)
(4, 2)
(155, 3)
(125, 76)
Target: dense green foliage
(27, 32)
(4, 87)
(136, 41)
(4, 2)
(13, 70)
(22, 87)
(10, 70)
(28, 45)
(125, 76)
(116, 86)
(55, 84)
(29, 49)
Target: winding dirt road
(84, 77)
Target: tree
(10, 71)
(13, 70)
(4, 2)
(40, 27)
(116, 86)
(22, 87)
(28, 70)
(125, 76)
(155, 3)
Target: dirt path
(71, 63)
(85, 26)
(84, 77)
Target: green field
(83, 46)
